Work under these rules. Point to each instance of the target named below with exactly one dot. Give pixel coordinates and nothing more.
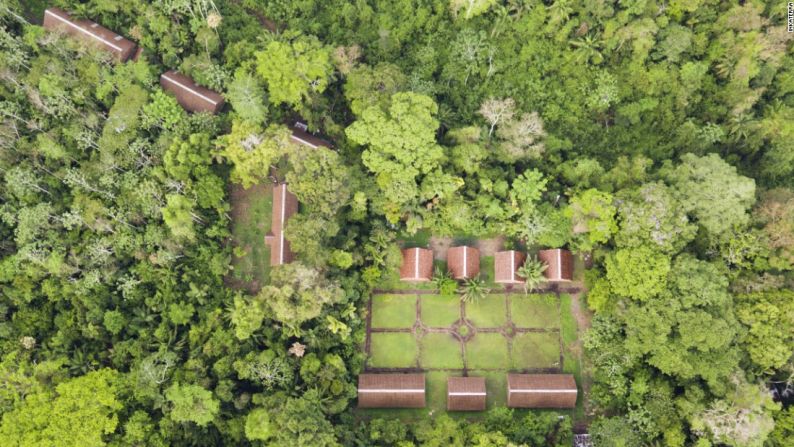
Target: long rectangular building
(285, 204)
(88, 31)
(541, 391)
(191, 96)
(391, 391)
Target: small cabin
(466, 394)
(391, 391)
(559, 264)
(506, 265)
(541, 391)
(88, 31)
(463, 262)
(192, 97)
(285, 205)
(417, 265)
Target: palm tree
(473, 290)
(443, 282)
(532, 272)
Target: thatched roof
(391, 391)
(463, 262)
(58, 19)
(417, 264)
(559, 264)
(285, 204)
(192, 97)
(541, 391)
(466, 394)
(506, 264)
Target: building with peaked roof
(88, 31)
(541, 391)
(463, 262)
(417, 265)
(285, 204)
(191, 96)
(301, 135)
(559, 264)
(391, 390)
(506, 265)
(466, 393)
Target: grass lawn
(440, 350)
(487, 350)
(534, 311)
(572, 357)
(392, 350)
(486, 272)
(496, 384)
(439, 311)
(490, 311)
(536, 350)
(251, 211)
(393, 311)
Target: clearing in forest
(443, 336)
(251, 219)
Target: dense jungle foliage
(655, 138)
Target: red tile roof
(56, 18)
(559, 264)
(300, 136)
(391, 390)
(463, 262)
(192, 97)
(541, 391)
(466, 393)
(506, 265)
(417, 264)
(285, 204)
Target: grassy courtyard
(444, 337)
(251, 220)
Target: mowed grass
(392, 350)
(534, 311)
(251, 219)
(487, 350)
(536, 350)
(440, 350)
(496, 385)
(393, 311)
(488, 312)
(439, 311)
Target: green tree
(82, 411)
(192, 403)
(713, 192)
(367, 86)
(653, 217)
(401, 148)
(297, 293)
(257, 425)
(294, 69)
(301, 422)
(253, 151)
(320, 180)
(592, 215)
(768, 317)
(639, 273)
(247, 97)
